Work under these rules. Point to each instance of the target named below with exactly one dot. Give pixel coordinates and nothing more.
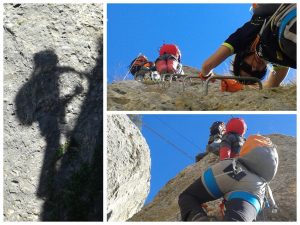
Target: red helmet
(236, 125)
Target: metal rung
(170, 76)
(178, 76)
(190, 78)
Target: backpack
(138, 63)
(170, 49)
(285, 23)
(278, 33)
(260, 156)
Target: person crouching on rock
(141, 66)
(269, 37)
(169, 60)
(216, 132)
(241, 181)
(233, 139)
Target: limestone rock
(52, 101)
(164, 207)
(128, 168)
(133, 95)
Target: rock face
(132, 95)
(128, 168)
(53, 112)
(164, 207)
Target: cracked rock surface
(52, 103)
(128, 168)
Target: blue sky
(190, 134)
(198, 30)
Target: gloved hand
(204, 78)
(224, 153)
(231, 85)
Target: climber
(242, 182)
(269, 37)
(233, 139)
(217, 130)
(169, 60)
(141, 66)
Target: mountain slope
(133, 95)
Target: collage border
(106, 113)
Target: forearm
(215, 59)
(275, 78)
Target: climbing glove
(204, 78)
(231, 85)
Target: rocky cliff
(53, 112)
(164, 207)
(128, 168)
(132, 95)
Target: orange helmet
(236, 125)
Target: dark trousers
(191, 199)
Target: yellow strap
(278, 67)
(229, 46)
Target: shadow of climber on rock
(39, 101)
(77, 193)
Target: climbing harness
(265, 24)
(273, 205)
(235, 169)
(268, 199)
(271, 20)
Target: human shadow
(78, 191)
(39, 101)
